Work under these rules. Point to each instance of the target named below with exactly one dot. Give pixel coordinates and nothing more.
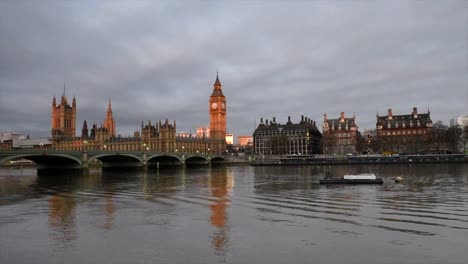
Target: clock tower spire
(217, 106)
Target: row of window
(404, 132)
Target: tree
(453, 137)
(438, 136)
(361, 144)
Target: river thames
(235, 215)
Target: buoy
(398, 179)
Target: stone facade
(271, 138)
(63, 120)
(218, 109)
(109, 123)
(152, 137)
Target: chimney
(390, 112)
(324, 117)
(415, 110)
(289, 119)
(342, 116)
(302, 118)
(266, 122)
(274, 120)
(261, 120)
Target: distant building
(404, 133)
(229, 139)
(340, 136)
(271, 138)
(203, 132)
(243, 141)
(462, 120)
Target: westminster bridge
(61, 159)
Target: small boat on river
(365, 178)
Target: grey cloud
(158, 60)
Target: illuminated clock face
(223, 106)
(214, 105)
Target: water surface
(235, 215)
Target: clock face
(223, 106)
(214, 105)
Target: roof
(423, 119)
(278, 128)
(337, 124)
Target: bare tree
(453, 137)
(438, 136)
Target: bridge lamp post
(144, 146)
(182, 149)
(104, 147)
(84, 144)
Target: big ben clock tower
(217, 118)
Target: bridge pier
(145, 161)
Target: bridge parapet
(82, 158)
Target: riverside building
(272, 138)
(158, 136)
(408, 134)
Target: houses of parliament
(155, 137)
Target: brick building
(404, 133)
(340, 135)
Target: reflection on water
(270, 215)
(221, 184)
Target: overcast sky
(158, 60)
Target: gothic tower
(63, 121)
(217, 118)
(109, 121)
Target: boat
(364, 178)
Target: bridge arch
(163, 160)
(47, 161)
(218, 160)
(196, 160)
(118, 160)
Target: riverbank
(357, 160)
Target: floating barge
(369, 178)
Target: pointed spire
(63, 88)
(109, 107)
(74, 102)
(217, 82)
(54, 101)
